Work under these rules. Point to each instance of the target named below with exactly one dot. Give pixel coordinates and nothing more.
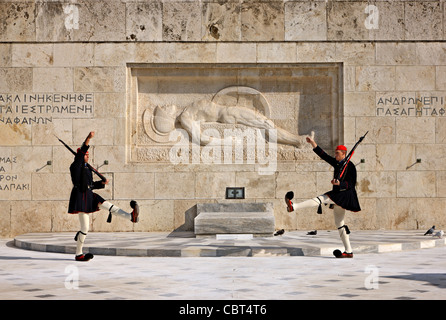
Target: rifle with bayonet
(348, 157)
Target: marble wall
(68, 67)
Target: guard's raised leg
(114, 210)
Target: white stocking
(338, 212)
(115, 210)
(84, 220)
(339, 215)
(313, 202)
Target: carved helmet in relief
(164, 118)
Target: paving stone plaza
(393, 274)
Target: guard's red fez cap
(342, 148)
(79, 150)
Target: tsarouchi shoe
(135, 212)
(339, 254)
(84, 257)
(289, 195)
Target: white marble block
(234, 218)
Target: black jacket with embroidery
(343, 195)
(82, 198)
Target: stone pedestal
(234, 218)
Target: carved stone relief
(209, 106)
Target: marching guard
(341, 198)
(84, 201)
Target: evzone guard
(84, 201)
(341, 198)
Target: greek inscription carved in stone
(41, 108)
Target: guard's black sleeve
(324, 156)
(98, 185)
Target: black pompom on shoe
(337, 253)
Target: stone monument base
(234, 218)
